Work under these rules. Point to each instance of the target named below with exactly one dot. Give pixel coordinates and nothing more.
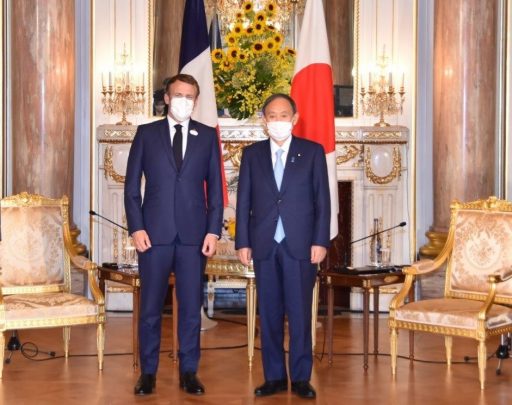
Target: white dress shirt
(184, 131)
(285, 147)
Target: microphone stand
(345, 261)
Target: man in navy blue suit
(175, 226)
(282, 224)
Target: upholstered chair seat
(36, 254)
(478, 282)
(453, 313)
(47, 306)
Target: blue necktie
(278, 175)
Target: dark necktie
(177, 146)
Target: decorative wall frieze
(345, 153)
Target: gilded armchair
(478, 285)
(36, 254)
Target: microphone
(401, 224)
(91, 212)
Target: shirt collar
(173, 122)
(285, 146)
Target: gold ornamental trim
(446, 330)
(108, 166)
(394, 173)
(383, 134)
(55, 322)
(234, 152)
(348, 152)
(225, 267)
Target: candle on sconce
(390, 79)
(109, 79)
(403, 78)
(102, 81)
(370, 79)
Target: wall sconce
(381, 98)
(125, 91)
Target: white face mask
(279, 130)
(181, 108)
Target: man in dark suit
(176, 226)
(282, 224)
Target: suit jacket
(303, 201)
(175, 203)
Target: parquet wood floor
(228, 380)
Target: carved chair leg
(66, 334)
(100, 341)
(2, 351)
(394, 349)
(448, 342)
(482, 362)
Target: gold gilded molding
(383, 134)
(233, 153)
(108, 166)
(348, 152)
(394, 173)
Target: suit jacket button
(279, 201)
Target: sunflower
(260, 16)
(249, 30)
(230, 39)
(257, 47)
(278, 38)
(226, 66)
(278, 52)
(247, 7)
(242, 56)
(271, 8)
(217, 55)
(270, 45)
(258, 27)
(233, 54)
(238, 29)
(290, 51)
(271, 27)
(239, 15)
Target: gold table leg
(314, 312)
(251, 318)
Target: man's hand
(317, 254)
(209, 245)
(141, 240)
(245, 256)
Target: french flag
(312, 90)
(195, 60)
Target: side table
(366, 282)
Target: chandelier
(286, 11)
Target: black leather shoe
(271, 388)
(145, 384)
(303, 389)
(191, 384)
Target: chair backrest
(33, 257)
(481, 238)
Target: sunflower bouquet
(254, 64)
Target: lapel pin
(193, 132)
